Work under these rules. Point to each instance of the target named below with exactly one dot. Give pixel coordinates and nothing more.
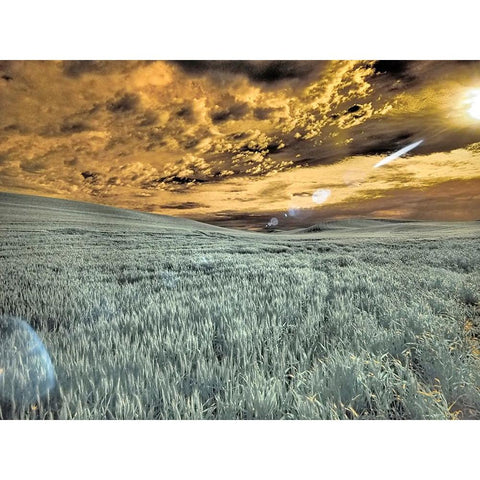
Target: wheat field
(153, 317)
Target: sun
(474, 102)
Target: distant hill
(34, 213)
(368, 227)
(54, 212)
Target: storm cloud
(258, 71)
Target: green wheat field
(154, 317)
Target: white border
(250, 29)
(227, 449)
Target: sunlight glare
(397, 154)
(474, 109)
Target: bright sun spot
(321, 195)
(474, 102)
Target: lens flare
(320, 196)
(293, 211)
(397, 154)
(27, 373)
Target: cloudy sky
(246, 143)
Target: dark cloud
(72, 162)
(398, 69)
(276, 146)
(385, 144)
(259, 71)
(386, 137)
(76, 68)
(409, 74)
(233, 111)
(147, 118)
(171, 180)
(238, 135)
(264, 113)
(354, 108)
(190, 143)
(114, 181)
(12, 127)
(122, 103)
(90, 176)
(185, 112)
(395, 68)
(302, 194)
(33, 166)
(74, 127)
(183, 206)
(180, 180)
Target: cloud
(182, 206)
(69, 126)
(234, 110)
(398, 70)
(33, 166)
(123, 102)
(76, 68)
(131, 112)
(258, 71)
(157, 129)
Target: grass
(157, 323)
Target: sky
(247, 144)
